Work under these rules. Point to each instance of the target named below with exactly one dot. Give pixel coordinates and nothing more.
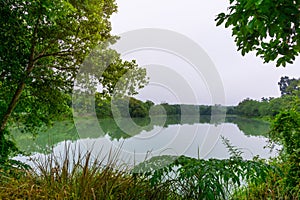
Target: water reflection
(195, 138)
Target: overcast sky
(242, 77)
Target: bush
(285, 183)
(190, 178)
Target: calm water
(146, 138)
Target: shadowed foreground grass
(83, 178)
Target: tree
(270, 28)
(248, 107)
(289, 86)
(285, 129)
(43, 44)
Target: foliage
(248, 107)
(289, 86)
(7, 147)
(131, 107)
(13, 168)
(81, 177)
(268, 107)
(192, 178)
(286, 130)
(122, 107)
(270, 28)
(208, 179)
(43, 44)
(272, 188)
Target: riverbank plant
(81, 177)
(285, 130)
(192, 178)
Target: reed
(77, 175)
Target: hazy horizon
(242, 77)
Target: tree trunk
(21, 85)
(11, 106)
(16, 97)
(14, 101)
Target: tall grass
(77, 175)
(80, 177)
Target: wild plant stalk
(80, 177)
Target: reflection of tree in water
(44, 141)
(250, 127)
(66, 130)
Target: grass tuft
(77, 176)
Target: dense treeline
(266, 107)
(270, 107)
(131, 107)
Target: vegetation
(235, 178)
(134, 108)
(270, 107)
(70, 177)
(163, 177)
(270, 29)
(266, 108)
(43, 44)
(183, 177)
(191, 178)
(285, 130)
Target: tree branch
(61, 53)
(21, 85)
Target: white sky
(242, 76)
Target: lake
(134, 140)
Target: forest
(266, 108)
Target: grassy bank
(83, 178)
(184, 178)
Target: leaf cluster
(286, 131)
(192, 178)
(43, 46)
(270, 28)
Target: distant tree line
(266, 107)
(132, 107)
(290, 90)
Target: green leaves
(269, 28)
(285, 130)
(43, 44)
(220, 19)
(259, 2)
(204, 179)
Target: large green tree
(270, 28)
(43, 44)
